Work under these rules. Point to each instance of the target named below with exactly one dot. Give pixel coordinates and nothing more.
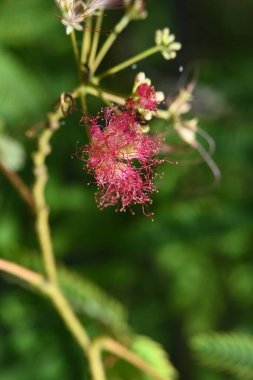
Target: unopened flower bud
(187, 131)
(136, 9)
(159, 96)
(166, 41)
(182, 103)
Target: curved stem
(32, 278)
(124, 21)
(129, 62)
(209, 161)
(117, 349)
(96, 363)
(41, 209)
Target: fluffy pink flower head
(122, 159)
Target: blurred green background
(188, 271)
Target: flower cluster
(166, 41)
(122, 159)
(145, 98)
(74, 12)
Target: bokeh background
(188, 271)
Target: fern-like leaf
(229, 352)
(88, 299)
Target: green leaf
(24, 22)
(155, 355)
(228, 352)
(152, 353)
(21, 93)
(88, 299)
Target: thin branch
(86, 41)
(32, 278)
(41, 209)
(19, 185)
(117, 349)
(95, 40)
(124, 21)
(70, 319)
(96, 361)
(75, 50)
(54, 293)
(104, 95)
(129, 62)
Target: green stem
(86, 42)
(75, 49)
(83, 101)
(31, 278)
(129, 62)
(164, 114)
(116, 348)
(71, 321)
(103, 95)
(52, 291)
(113, 98)
(110, 40)
(41, 209)
(96, 362)
(95, 41)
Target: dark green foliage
(228, 352)
(189, 271)
(19, 24)
(21, 93)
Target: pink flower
(122, 159)
(146, 97)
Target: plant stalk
(129, 62)
(86, 43)
(61, 304)
(95, 40)
(124, 21)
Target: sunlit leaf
(12, 154)
(155, 355)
